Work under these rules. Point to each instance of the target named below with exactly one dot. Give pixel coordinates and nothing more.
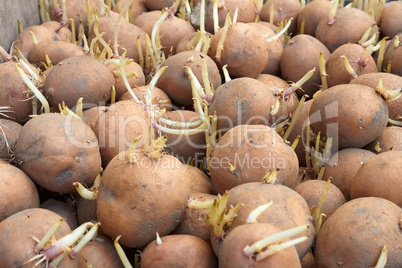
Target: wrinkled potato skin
(371, 223)
(18, 192)
(57, 150)
(16, 232)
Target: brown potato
(92, 81)
(390, 140)
(185, 147)
(312, 190)
(198, 253)
(231, 252)
(17, 231)
(18, 192)
(334, 35)
(393, 56)
(354, 235)
(57, 150)
(299, 56)
(283, 10)
(175, 81)
(312, 14)
(119, 126)
(242, 101)
(245, 51)
(288, 209)
(56, 50)
(137, 8)
(335, 67)
(15, 93)
(62, 209)
(159, 98)
(388, 167)
(343, 166)
(194, 221)
(335, 114)
(246, 152)
(390, 25)
(9, 132)
(99, 252)
(139, 198)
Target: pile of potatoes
(191, 131)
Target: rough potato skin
(57, 150)
(16, 232)
(138, 199)
(353, 115)
(354, 235)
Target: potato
(361, 64)
(194, 221)
(283, 10)
(119, 126)
(185, 147)
(242, 101)
(312, 190)
(390, 140)
(246, 13)
(63, 209)
(99, 252)
(389, 23)
(146, 17)
(288, 210)
(198, 253)
(159, 98)
(136, 9)
(231, 252)
(18, 191)
(17, 231)
(380, 177)
(24, 40)
(343, 166)
(139, 198)
(393, 56)
(62, 32)
(246, 153)
(299, 56)
(137, 80)
(9, 132)
(15, 93)
(372, 223)
(92, 81)
(91, 116)
(56, 50)
(57, 150)
(275, 48)
(390, 81)
(245, 51)
(175, 79)
(312, 14)
(341, 32)
(171, 30)
(335, 114)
